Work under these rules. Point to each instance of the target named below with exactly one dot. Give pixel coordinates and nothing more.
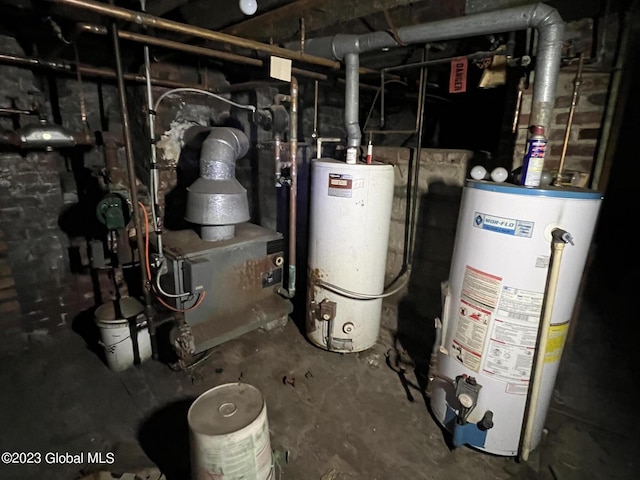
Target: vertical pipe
(293, 192)
(612, 102)
(83, 104)
(574, 99)
(153, 159)
(315, 110)
(558, 243)
(416, 176)
(352, 78)
(126, 130)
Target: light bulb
(248, 7)
(478, 172)
(499, 174)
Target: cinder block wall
(441, 178)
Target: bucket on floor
(229, 434)
(123, 333)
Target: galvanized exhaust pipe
(216, 200)
(546, 20)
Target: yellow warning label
(555, 342)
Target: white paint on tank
(495, 295)
(349, 219)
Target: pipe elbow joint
(561, 236)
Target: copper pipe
(574, 100)
(17, 111)
(159, 42)
(290, 291)
(516, 113)
(194, 49)
(293, 189)
(177, 27)
(91, 71)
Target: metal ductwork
(216, 200)
(546, 20)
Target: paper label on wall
(280, 68)
(458, 76)
(555, 342)
(340, 185)
(507, 226)
(471, 333)
(481, 287)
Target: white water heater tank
(349, 219)
(493, 304)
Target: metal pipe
(145, 19)
(126, 130)
(414, 194)
(545, 19)
(612, 102)
(293, 188)
(421, 96)
(314, 134)
(83, 103)
(351, 108)
(156, 215)
(559, 239)
(516, 113)
(574, 100)
(216, 200)
(321, 140)
(70, 69)
(17, 111)
(193, 49)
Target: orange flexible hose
(148, 267)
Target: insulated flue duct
(216, 200)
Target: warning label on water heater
(470, 335)
(340, 185)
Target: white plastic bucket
(229, 434)
(115, 333)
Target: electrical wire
(204, 92)
(201, 296)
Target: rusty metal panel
(244, 275)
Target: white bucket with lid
(117, 321)
(229, 434)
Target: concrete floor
(345, 417)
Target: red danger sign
(458, 76)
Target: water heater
(349, 219)
(492, 307)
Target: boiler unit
(225, 278)
(486, 345)
(349, 219)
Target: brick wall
(44, 280)
(585, 129)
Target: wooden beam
(284, 22)
(160, 7)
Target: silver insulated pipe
(545, 19)
(216, 200)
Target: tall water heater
(349, 219)
(492, 309)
